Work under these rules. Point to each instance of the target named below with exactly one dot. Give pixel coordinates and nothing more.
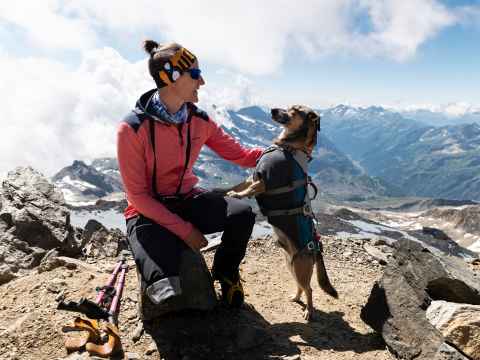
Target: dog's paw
(233, 194)
(295, 298)
(308, 314)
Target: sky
(71, 69)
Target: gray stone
(375, 253)
(99, 242)
(78, 356)
(398, 301)
(197, 289)
(459, 324)
(152, 348)
(132, 356)
(446, 352)
(33, 220)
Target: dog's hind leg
(303, 269)
(298, 295)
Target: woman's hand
(196, 240)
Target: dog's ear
(313, 116)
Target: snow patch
(82, 185)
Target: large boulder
(197, 289)
(412, 279)
(99, 242)
(459, 324)
(33, 220)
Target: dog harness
(286, 201)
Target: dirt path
(271, 326)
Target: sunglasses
(194, 73)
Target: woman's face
(186, 87)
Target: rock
(293, 357)
(78, 356)
(197, 289)
(152, 348)
(436, 233)
(446, 352)
(459, 324)
(33, 220)
(101, 242)
(6, 274)
(379, 241)
(132, 356)
(375, 253)
(398, 301)
(50, 261)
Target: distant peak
(79, 163)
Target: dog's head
(300, 123)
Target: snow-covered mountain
(84, 184)
(420, 159)
(443, 118)
(362, 153)
(334, 172)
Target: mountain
(82, 183)
(421, 160)
(439, 118)
(333, 171)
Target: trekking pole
(93, 310)
(113, 342)
(115, 305)
(110, 282)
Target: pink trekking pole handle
(111, 280)
(118, 293)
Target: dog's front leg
(254, 187)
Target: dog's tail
(322, 276)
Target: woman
(158, 144)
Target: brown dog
(280, 186)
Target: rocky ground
(268, 327)
(45, 258)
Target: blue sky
(70, 69)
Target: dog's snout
(275, 113)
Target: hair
(159, 55)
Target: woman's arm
(230, 149)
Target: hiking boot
(232, 291)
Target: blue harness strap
(299, 215)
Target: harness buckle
(315, 246)
(311, 246)
(307, 210)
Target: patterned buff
(182, 60)
(157, 107)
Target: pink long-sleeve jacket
(136, 160)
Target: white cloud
(402, 26)
(47, 24)
(241, 91)
(252, 36)
(52, 115)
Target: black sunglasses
(194, 73)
